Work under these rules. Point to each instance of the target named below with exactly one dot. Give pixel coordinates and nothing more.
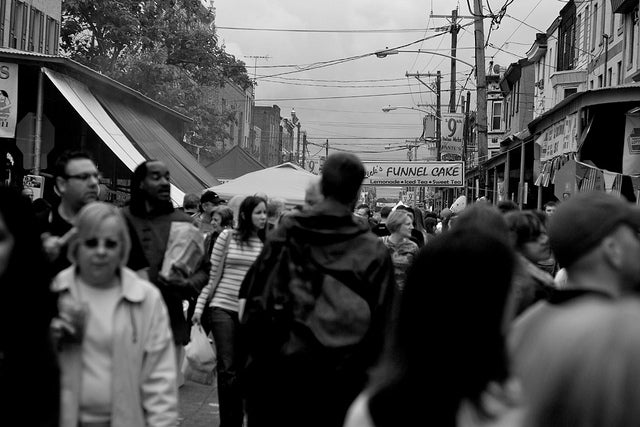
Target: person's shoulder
(144, 289)
(358, 414)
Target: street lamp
(390, 108)
(385, 52)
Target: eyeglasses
(108, 243)
(85, 176)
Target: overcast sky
(325, 99)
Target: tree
(165, 49)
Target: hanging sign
(559, 138)
(8, 99)
(631, 153)
(434, 174)
(451, 132)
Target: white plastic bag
(200, 358)
(185, 251)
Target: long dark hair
(28, 356)
(464, 350)
(245, 227)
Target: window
(577, 40)
(612, 25)
(609, 77)
(602, 15)
(631, 37)
(566, 43)
(3, 11)
(591, 84)
(52, 32)
(18, 29)
(600, 80)
(594, 27)
(585, 39)
(496, 115)
(570, 91)
(619, 69)
(35, 31)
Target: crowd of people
(325, 314)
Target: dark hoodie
(284, 385)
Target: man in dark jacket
(330, 281)
(149, 217)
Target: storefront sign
(559, 138)
(8, 99)
(434, 174)
(631, 153)
(451, 136)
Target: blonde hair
(582, 367)
(396, 219)
(90, 217)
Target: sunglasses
(94, 242)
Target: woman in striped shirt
(243, 245)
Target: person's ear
(60, 183)
(613, 251)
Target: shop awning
(157, 143)
(88, 107)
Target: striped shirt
(236, 264)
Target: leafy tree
(165, 49)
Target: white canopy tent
(286, 181)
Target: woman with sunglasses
(114, 340)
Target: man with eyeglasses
(77, 183)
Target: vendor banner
(8, 99)
(631, 153)
(451, 136)
(433, 174)
(559, 138)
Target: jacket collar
(66, 281)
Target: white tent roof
(286, 181)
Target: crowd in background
(322, 314)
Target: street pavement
(198, 405)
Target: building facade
(241, 102)
(268, 120)
(31, 25)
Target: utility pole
(304, 149)
(438, 77)
(481, 84)
(453, 29)
(466, 138)
(255, 63)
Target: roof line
(90, 73)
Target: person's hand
(62, 329)
(195, 319)
(53, 244)
(173, 282)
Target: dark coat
(149, 236)
(306, 377)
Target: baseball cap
(581, 222)
(211, 196)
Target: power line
(324, 64)
(304, 30)
(315, 98)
